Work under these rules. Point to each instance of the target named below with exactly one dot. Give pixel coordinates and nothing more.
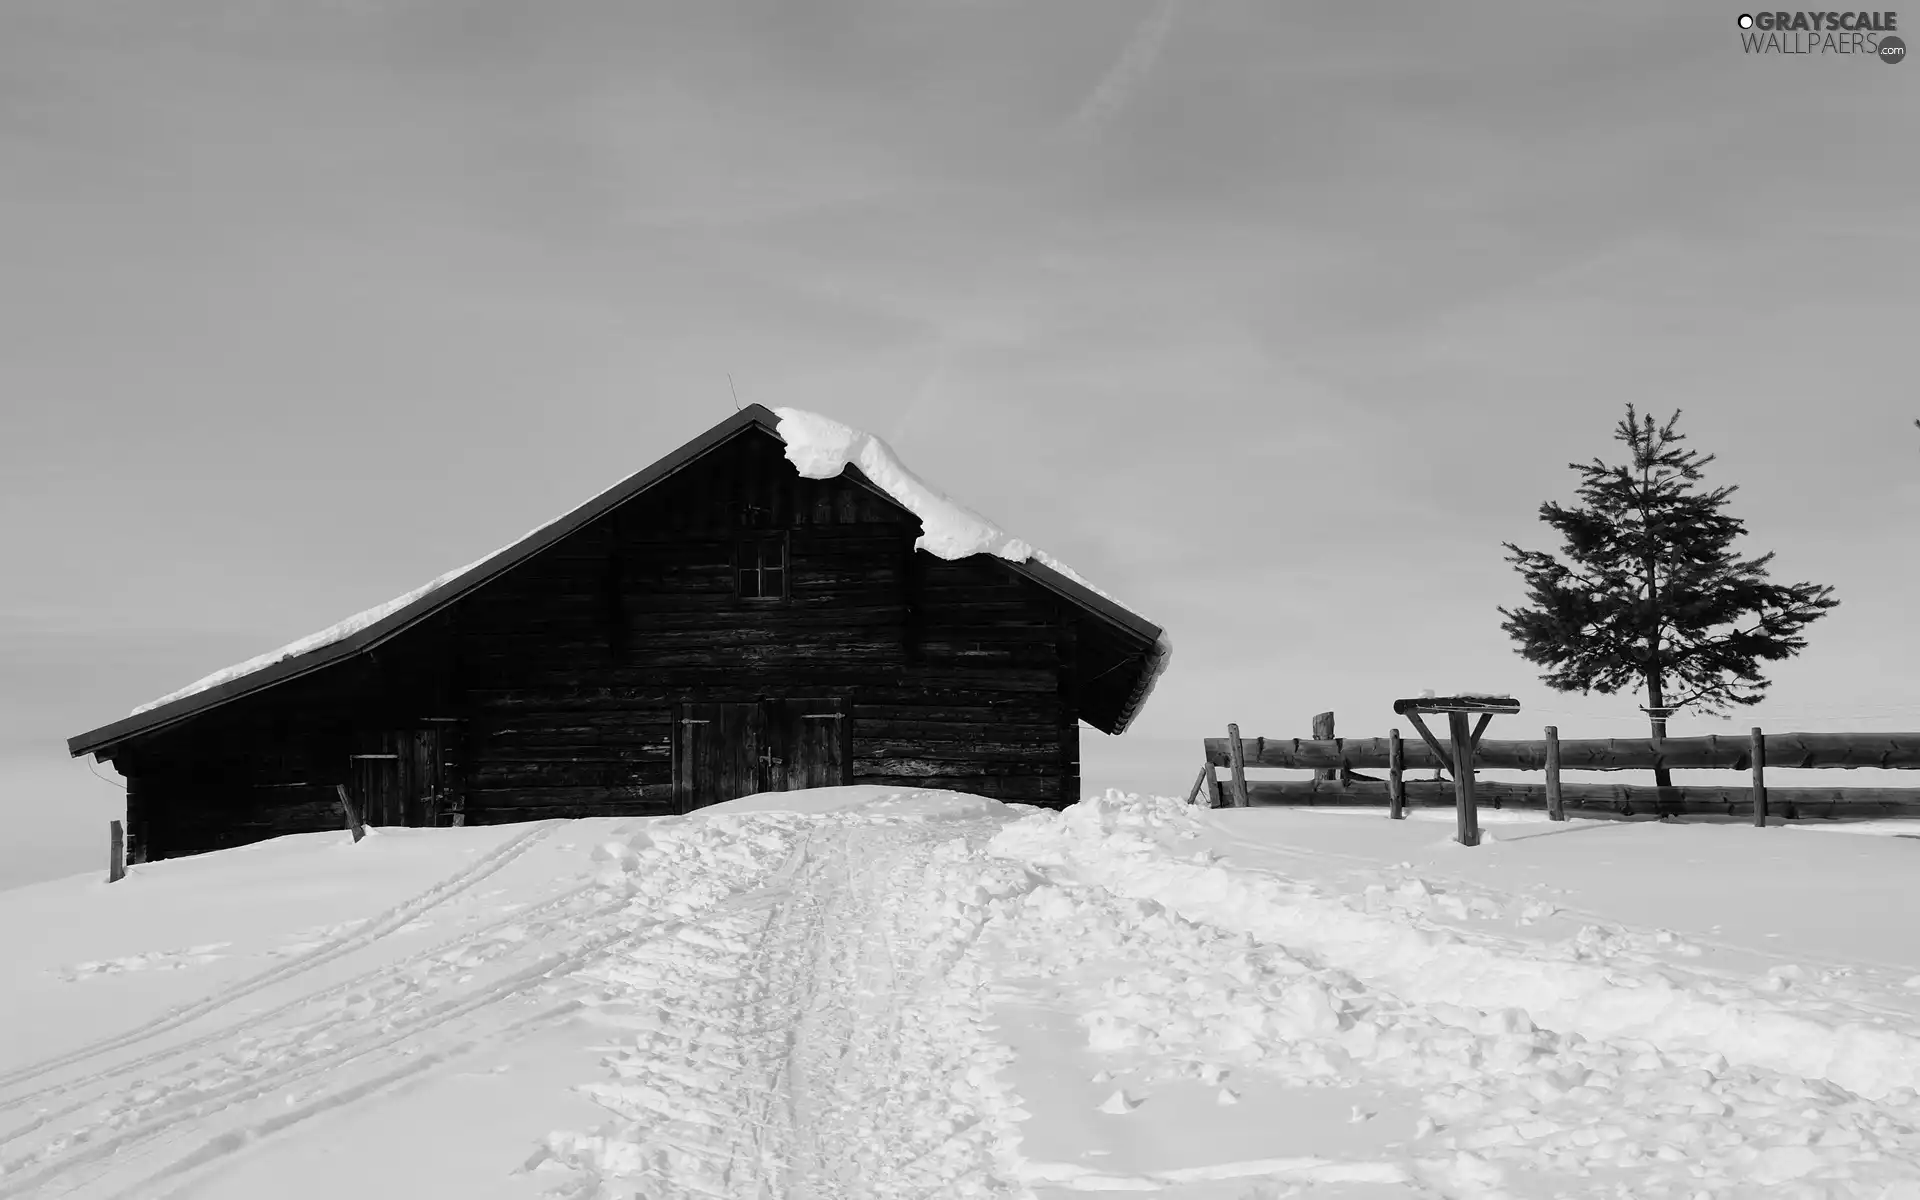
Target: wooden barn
(714, 626)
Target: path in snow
(926, 995)
(754, 965)
(822, 1041)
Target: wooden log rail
(1624, 800)
(1332, 759)
(1783, 750)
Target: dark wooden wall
(572, 663)
(271, 764)
(551, 691)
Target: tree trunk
(1657, 715)
(1656, 695)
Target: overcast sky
(1273, 320)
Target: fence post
(353, 818)
(1556, 807)
(1237, 755)
(1396, 785)
(1467, 815)
(1199, 782)
(116, 852)
(1323, 732)
(1757, 751)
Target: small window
(760, 568)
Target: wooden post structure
(353, 818)
(1323, 732)
(1237, 754)
(1199, 783)
(1458, 757)
(1396, 785)
(1466, 814)
(1556, 808)
(116, 852)
(1213, 788)
(1757, 750)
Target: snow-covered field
(857, 992)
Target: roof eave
(1086, 597)
(1125, 618)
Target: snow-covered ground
(857, 992)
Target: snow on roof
(326, 637)
(312, 641)
(819, 448)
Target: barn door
(809, 741)
(399, 777)
(423, 775)
(724, 751)
(717, 753)
(377, 787)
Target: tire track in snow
(378, 927)
(717, 882)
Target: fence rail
(1615, 799)
(1334, 761)
(1788, 750)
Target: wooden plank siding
(554, 687)
(938, 658)
(246, 772)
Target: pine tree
(1651, 594)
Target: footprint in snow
(153, 960)
(1119, 1103)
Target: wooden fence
(1335, 762)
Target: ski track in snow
(215, 1095)
(521, 925)
(804, 1006)
(362, 935)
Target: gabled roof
(377, 626)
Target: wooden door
(725, 751)
(399, 777)
(718, 750)
(377, 788)
(809, 740)
(423, 771)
